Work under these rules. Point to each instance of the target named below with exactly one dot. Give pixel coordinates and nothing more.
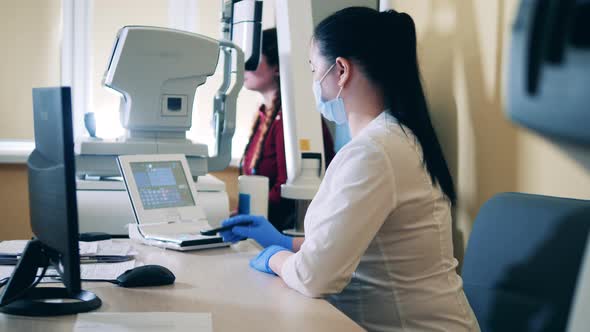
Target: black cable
(58, 278)
(39, 278)
(100, 280)
(31, 286)
(4, 281)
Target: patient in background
(265, 152)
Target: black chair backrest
(522, 261)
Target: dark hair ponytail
(383, 44)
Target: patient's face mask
(332, 110)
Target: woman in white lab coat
(378, 232)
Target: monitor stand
(20, 298)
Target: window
(106, 18)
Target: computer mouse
(146, 275)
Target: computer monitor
(53, 216)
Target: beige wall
(14, 202)
(29, 57)
(462, 45)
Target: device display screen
(162, 184)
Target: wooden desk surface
(218, 281)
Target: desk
(218, 281)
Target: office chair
(523, 260)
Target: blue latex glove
(260, 230)
(260, 262)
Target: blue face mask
(332, 110)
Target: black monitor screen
(52, 186)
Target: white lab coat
(378, 239)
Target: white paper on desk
(88, 248)
(109, 247)
(13, 247)
(106, 247)
(106, 271)
(6, 271)
(144, 321)
(103, 271)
